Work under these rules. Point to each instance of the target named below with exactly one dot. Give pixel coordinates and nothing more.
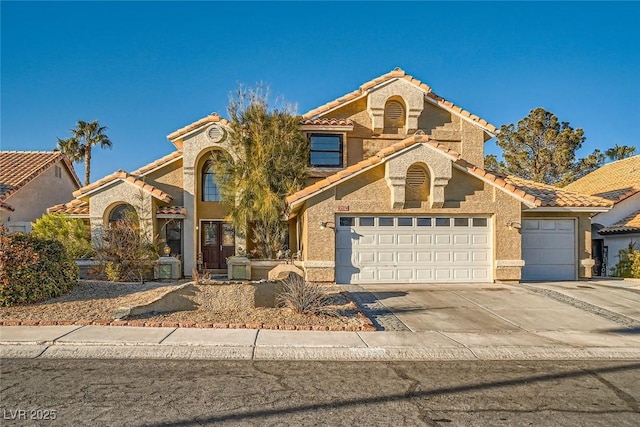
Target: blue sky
(145, 69)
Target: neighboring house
(613, 230)
(30, 182)
(397, 193)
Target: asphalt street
(246, 393)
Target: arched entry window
(210, 189)
(121, 212)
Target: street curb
(264, 353)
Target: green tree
(619, 152)
(71, 232)
(84, 137)
(271, 162)
(543, 149)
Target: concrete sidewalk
(124, 342)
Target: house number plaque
(343, 208)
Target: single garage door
(403, 249)
(549, 249)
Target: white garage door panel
(423, 275)
(416, 253)
(549, 249)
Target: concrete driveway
(533, 314)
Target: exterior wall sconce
(325, 224)
(514, 224)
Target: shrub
(112, 270)
(33, 269)
(635, 267)
(629, 264)
(303, 297)
(71, 232)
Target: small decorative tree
(272, 162)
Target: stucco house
(397, 193)
(30, 182)
(615, 229)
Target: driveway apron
(482, 308)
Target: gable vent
(416, 176)
(215, 133)
(394, 111)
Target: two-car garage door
(405, 249)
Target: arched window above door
(210, 188)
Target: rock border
(368, 325)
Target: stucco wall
(367, 138)
(170, 180)
(31, 201)
(433, 117)
(619, 211)
(104, 201)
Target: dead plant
(303, 297)
(201, 277)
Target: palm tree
(69, 147)
(619, 152)
(78, 147)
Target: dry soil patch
(229, 304)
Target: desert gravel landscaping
(217, 305)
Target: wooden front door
(216, 244)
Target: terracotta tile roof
(171, 210)
(326, 122)
(74, 207)
(211, 118)
(157, 163)
(81, 208)
(629, 224)
(619, 195)
(18, 168)
(123, 176)
(398, 73)
(550, 196)
(532, 193)
(615, 181)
